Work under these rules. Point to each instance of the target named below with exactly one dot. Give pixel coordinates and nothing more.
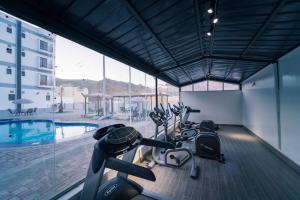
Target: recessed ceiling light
(208, 33)
(210, 10)
(215, 20)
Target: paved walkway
(42, 171)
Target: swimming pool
(34, 132)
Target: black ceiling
(168, 38)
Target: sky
(74, 61)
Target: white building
(71, 97)
(26, 63)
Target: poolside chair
(34, 110)
(29, 111)
(11, 112)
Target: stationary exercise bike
(113, 141)
(170, 157)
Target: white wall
(260, 109)
(7, 57)
(223, 107)
(259, 105)
(5, 104)
(289, 70)
(7, 78)
(39, 98)
(11, 37)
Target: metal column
(130, 119)
(277, 92)
(156, 93)
(104, 87)
(18, 64)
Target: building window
(8, 50)
(231, 86)
(215, 85)
(43, 62)
(43, 80)
(48, 97)
(43, 45)
(8, 71)
(200, 86)
(9, 29)
(23, 73)
(11, 97)
(23, 53)
(187, 88)
(23, 35)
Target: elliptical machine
(171, 157)
(207, 142)
(113, 141)
(204, 126)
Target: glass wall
(52, 103)
(187, 88)
(210, 86)
(201, 86)
(215, 85)
(167, 94)
(142, 102)
(117, 88)
(77, 98)
(27, 139)
(229, 86)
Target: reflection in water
(63, 132)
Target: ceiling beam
(199, 25)
(262, 28)
(148, 29)
(210, 79)
(218, 58)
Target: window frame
(11, 96)
(43, 80)
(9, 71)
(9, 29)
(208, 90)
(48, 97)
(43, 62)
(9, 50)
(44, 46)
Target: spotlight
(208, 33)
(215, 20)
(210, 10)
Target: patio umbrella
(22, 101)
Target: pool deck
(42, 171)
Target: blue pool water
(34, 132)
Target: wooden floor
(251, 172)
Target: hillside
(112, 87)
